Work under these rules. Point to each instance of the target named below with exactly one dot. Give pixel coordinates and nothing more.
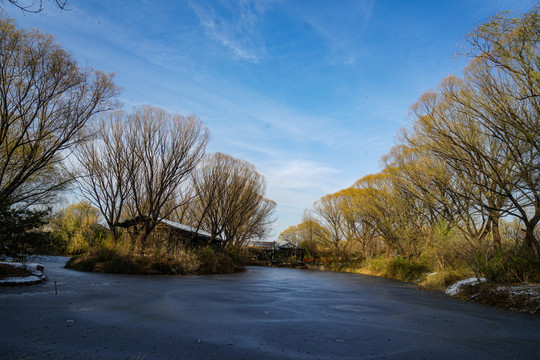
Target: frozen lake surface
(263, 313)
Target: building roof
(187, 228)
(288, 245)
(263, 245)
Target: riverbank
(521, 297)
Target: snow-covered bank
(456, 288)
(36, 277)
(518, 297)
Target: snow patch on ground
(456, 288)
(522, 297)
(524, 289)
(36, 277)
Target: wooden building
(178, 234)
(290, 250)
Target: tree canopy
(468, 167)
(46, 103)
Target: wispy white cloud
(254, 148)
(296, 183)
(235, 25)
(299, 174)
(340, 34)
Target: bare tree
(105, 167)
(329, 210)
(35, 6)
(231, 201)
(137, 166)
(167, 147)
(252, 224)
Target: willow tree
(445, 200)
(344, 222)
(485, 127)
(503, 82)
(329, 212)
(230, 200)
(309, 235)
(46, 103)
(138, 166)
(76, 228)
(360, 229)
(390, 211)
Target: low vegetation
(520, 298)
(7, 271)
(201, 261)
(396, 268)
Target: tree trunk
(530, 240)
(114, 236)
(495, 231)
(388, 249)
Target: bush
(396, 268)
(183, 262)
(510, 266)
(236, 255)
(441, 279)
(216, 262)
(81, 263)
(404, 269)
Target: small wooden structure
(290, 250)
(272, 252)
(177, 234)
(262, 250)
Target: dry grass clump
(440, 280)
(394, 268)
(7, 271)
(179, 262)
(522, 298)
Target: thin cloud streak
(298, 174)
(235, 28)
(341, 38)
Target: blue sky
(311, 92)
